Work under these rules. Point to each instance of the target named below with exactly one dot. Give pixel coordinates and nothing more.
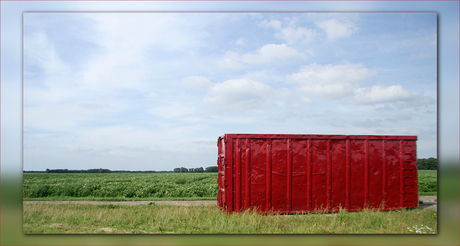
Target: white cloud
(266, 54)
(291, 33)
(368, 123)
(47, 78)
(385, 108)
(435, 40)
(115, 70)
(230, 61)
(284, 93)
(380, 94)
(272, 53)
(335, 29)
(395, 95)
(39, 51)
(416, 101)
(275, 24)
(240, 41)
(94, 105)
(197, 82)
(129, 32)
(399, 117)
(310, 52)
(152, 95)
(306, 100)
(342, 81)
(129, 50)
(172, 110)
(135, 136)
(330, 81)
(64, 117)
(239, 95)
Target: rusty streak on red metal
(287, 173)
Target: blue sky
(153, 91)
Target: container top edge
(319, 136)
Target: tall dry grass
(120, 219)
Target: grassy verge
(154, 218)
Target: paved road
(427, 202)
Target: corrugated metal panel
(308, 173)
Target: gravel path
(427, 202)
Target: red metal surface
(276, 173)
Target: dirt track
(428, 202)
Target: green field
(144, 186)
(39, 218)
(120, 186)
(427, 182)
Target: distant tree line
(427, 164)
(149, 171)
(100, 170)
(212, 169)
(422, 164)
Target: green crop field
(427, 182)
(144, 186)
(120, 186)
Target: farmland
(120, 186)
(57, 218)
(145, 186)
(427, 182)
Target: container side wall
(258, 157)
(375, 173)
(279, 175)
(339, 165)
(299, 175)
(393, 175)
(319, 175)
(357, 156)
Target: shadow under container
(280, 173)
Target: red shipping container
(284, 173)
